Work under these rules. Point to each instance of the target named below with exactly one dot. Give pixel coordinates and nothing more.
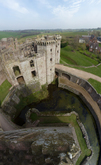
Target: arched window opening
(16, 70)
(31, 63)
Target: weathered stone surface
(29, 112)
(8, 109)
(19, 146)
(41, 147)
(48, 160)
(15, 99)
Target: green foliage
(34, 116)
(4, 90)
(99, 45)
(64, 44)
(95, 84)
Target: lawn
(67, 119)
(4, 90)
(96, 85)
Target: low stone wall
(87, 142)
(85, 84)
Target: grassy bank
(4, 90)
(67, 119)
(95, 84)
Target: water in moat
(63, 100)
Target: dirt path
(5, 124)
(77, 72)
(84, 93)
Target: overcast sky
(49, 14)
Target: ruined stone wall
(15, 97)
(44, 58)
(2, 73)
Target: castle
(30, 62)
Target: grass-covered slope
(4, 90)
(74, 57)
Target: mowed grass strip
(4, 90)
(67, 119)
(93, 70)
(95, 84)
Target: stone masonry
(32, 61)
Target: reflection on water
(63, 100)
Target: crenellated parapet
(45, 43)
(48, 40)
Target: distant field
(31, 33)
(73, 34)
(10, 34)
(18, 34)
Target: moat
(64, 101)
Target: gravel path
(77, 72)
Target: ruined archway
(21, 80)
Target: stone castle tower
(33, 61)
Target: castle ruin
(30, 62)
